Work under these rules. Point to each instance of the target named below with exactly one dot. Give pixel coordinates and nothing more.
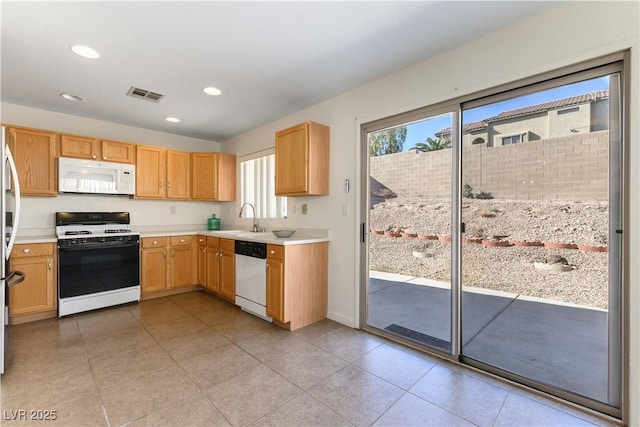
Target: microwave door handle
(16, 189)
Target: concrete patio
(561, 345)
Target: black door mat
(419, 337)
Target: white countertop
(36, 238)
(301, 237)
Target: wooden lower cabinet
(297, 278)
(221, 268)
(153, 264)
(202, 261)
(167, 263)
(182, 264)
(213, 265)
(37, 293)
(228, 269)
(275, 287)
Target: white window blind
(257, 180)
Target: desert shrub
(467, 191)
(483, 195)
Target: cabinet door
(178, 175)
(275, 290)
(292, 158)
(154, 269)
(34, 153)
(151, 170)
(202, 261)
(203, 177)
(37, 292)
(79, 147)
(213, 176)
(226, 178)
(181, 266)
(121, 152)
(213, 270)
(213, 264)
(227, 270)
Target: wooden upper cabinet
(116, 151)
(213, 176)
(151, 172)
(34, 153)
(162, 173)
(82, 147)
(302, 160)
(178, 175)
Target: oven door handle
(86, 248)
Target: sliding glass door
(408, 292)
(494, 232)
(541, 207)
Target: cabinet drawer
(181, 240)
(228, 245)
(154, 242)
(32, 249)
(275, 252)
(213, 242)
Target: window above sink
(257, 185)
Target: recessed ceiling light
(70, 97)
(212, 91)
(172, 119)
(84, 51)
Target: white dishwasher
(251, 278)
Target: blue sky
(420, 131)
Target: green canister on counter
(213, 223)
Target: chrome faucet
(255, 220)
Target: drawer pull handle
(50, 265)
(26, 250)
(181, 240)
(155, 242)
(273, 252)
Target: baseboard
(337, 317)
(26, 318)
(169, 292)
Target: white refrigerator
(10, 211)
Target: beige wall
(571, 168)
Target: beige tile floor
(193, 360)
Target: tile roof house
(577, 114)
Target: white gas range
(98, 261)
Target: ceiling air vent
(136, 92)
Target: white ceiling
(269, 59)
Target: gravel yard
(510, 268)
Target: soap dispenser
(213, 223)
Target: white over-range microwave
(91, 176)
